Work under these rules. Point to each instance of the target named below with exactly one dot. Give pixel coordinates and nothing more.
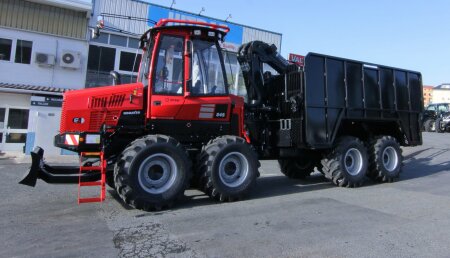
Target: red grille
(112, 101)
(97, 118)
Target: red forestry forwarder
(178, 124)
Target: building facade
(43, 52)
(427, 95)
(441, 93)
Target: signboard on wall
(297, 59)
(233, 38)
(47, 101)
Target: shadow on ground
(419, 164)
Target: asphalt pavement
(281, 218)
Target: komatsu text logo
(130, 113)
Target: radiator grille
(112, 101)
(97, 118)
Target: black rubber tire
(428, 125)
(127, 169)
(334, 163)
(300, 167)
(437, 126)
(377, 169)
(208, 166)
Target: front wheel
(385, 159)
(152, 172)
(346, 165)
(228, 168)
(439, 125)
(429, 125)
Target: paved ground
(282, 218)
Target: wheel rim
(433, 126)
(157, 173)
(233, 169)
(390, 158)
(353, 161)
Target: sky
(412, 34)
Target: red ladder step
(101, 183)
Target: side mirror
(116, 77)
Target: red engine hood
(87, 109)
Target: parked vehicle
(431, 113)
(179, 124)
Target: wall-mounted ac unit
(70, 59)
(43, 59)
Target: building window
(103, 38)
(101, 62)
(129, 62)
(133, 43)
(118, 40)
(23, 52)
(18, 118)
(5, 49)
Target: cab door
(167, 77)
(208, 100)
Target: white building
(43, 52)
(441, 93)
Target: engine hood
(87, 109)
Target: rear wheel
(152, 172)
(346, 165)
(228, 168)
(300, 167)
(429, 125)
(439, 126)
(385, 159)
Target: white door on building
(47, 127)
(13, 128)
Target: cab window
(443, 108)
(168, 76)
(207, 72)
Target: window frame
(155, 66)
(31, 53)
(118, 49)
(13, 49)
(202, 68)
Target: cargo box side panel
(416, 99)
(387, 92)
(336, 94)
(372, 93)
(402, 91)
(355, 90)
(315, 100)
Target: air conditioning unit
(70, 59)
(43, 59)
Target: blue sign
(156, 13)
